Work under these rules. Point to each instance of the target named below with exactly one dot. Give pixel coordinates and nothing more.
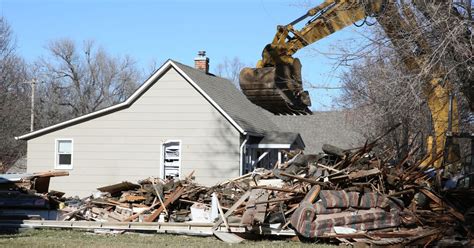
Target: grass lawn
(73, 238)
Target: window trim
(162, 157)
(57, 166)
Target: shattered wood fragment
(158, 194)
(255, 211)
(440, 202)
(364, 173)
(173, 197)
(51, 174)
(134, 216)
(312, 194)
(276, 189)
(311, 181)
(134, 198)
(221, 213)
(119, 187)
(232, 209)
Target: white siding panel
(126, 145)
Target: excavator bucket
(277, 89)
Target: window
(63, 154)
(171, 155)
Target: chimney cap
(202, 53)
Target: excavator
(276, 84)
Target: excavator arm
(276, 83)
(324, 20)
(402, 32)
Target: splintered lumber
(277, 189)
(312, 194)
(228, 237)
(364, 173)
(440, 202)
(159, 196)
(51, 174)
(134, 198)
(235, 179)
(311, 181)
(358, 174)
(134, 216)
(232, 209)
(221, 212)
(118, 187)
(255, 211)
(174, 196)
(275, 200)
(329, 168)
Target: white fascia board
(239, 128)
(124, 104)
(271, 146)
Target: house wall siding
(126, 145)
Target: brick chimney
(201, 62)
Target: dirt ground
(68, 238)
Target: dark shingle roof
(280, 138)
(246, 114)
(331, 127)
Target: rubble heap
(339, 196)
(29, 192)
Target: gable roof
(221, 93)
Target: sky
(164, 29)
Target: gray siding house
(181, 119)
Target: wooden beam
(311, 181)
(253, 210)
(221, 212)
(312, 194)
(173, 197)
(440, 202)
(232, 209)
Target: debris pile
(340, 196)
(28, 192)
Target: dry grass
(68, 238)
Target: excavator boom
(276, 83)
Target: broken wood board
(255, 212)
(119, 187)
(228, 237)
(173, 197)
(231, 210)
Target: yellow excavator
(276, 83)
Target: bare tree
(380, 94)
(14, 97)
(77, 81)
(230, 69)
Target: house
(182, 119)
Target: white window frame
(56, 154)
(162, 158)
